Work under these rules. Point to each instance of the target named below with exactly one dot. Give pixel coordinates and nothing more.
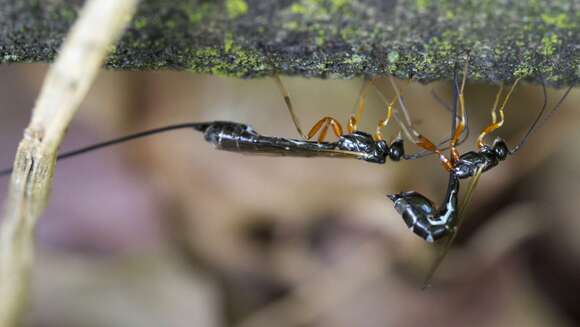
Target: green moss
(340, 4)
(68, 13)
(240, 62)
(140, 23)
(10, 58)
(311, 16)
(248, 60)
(196, 14)
(549, 44)
(236, 8)
(422, 5)
(560, 21)
(63, 12)
(393, 57)
(348, 33)
(228, 42)
(441, 47)
(206, 52)
(313, 10)
(523, 70)
(291, 25)
(322, 38)
(170, 24)
(354, 60)
(298, 8)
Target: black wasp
(241, 138)
(419, 213)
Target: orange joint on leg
(323, 132)
(322, 126)
(486, 131)
(352, 124)
(429, 146)
(336, 128)
(445, 162)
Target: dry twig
(99, 26)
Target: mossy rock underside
(425, 39)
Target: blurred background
(167, 231)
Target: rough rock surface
(424, 39)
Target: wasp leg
(461, 123)
(414, 135)
(289, 105)
(402, 106)
(384, 122)
(495, 123)
(446, 106)
(360, 107)
(390, 113)
(322, 126)
(426, 144)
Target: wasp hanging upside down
(241, 138)
(418, 212)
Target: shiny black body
(236, 137)
(431, 223)
(486, 158)
(421, 216)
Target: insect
(242, 138)
(433, 223)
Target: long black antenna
(465, 133)
(196, 126)
(453, 110)
(539, 122)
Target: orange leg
(322, 126)
(289, 105)
(384, 122)
(495, 123)
(424, 143)
(360, 108)
(409, 130)
(461, 121)
(414, 135)
(389, 110)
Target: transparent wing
(448, 241)
(343, 153)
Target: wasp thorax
(382, 148)
(375, 151)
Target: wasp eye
(397, 150)
(501, 149)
